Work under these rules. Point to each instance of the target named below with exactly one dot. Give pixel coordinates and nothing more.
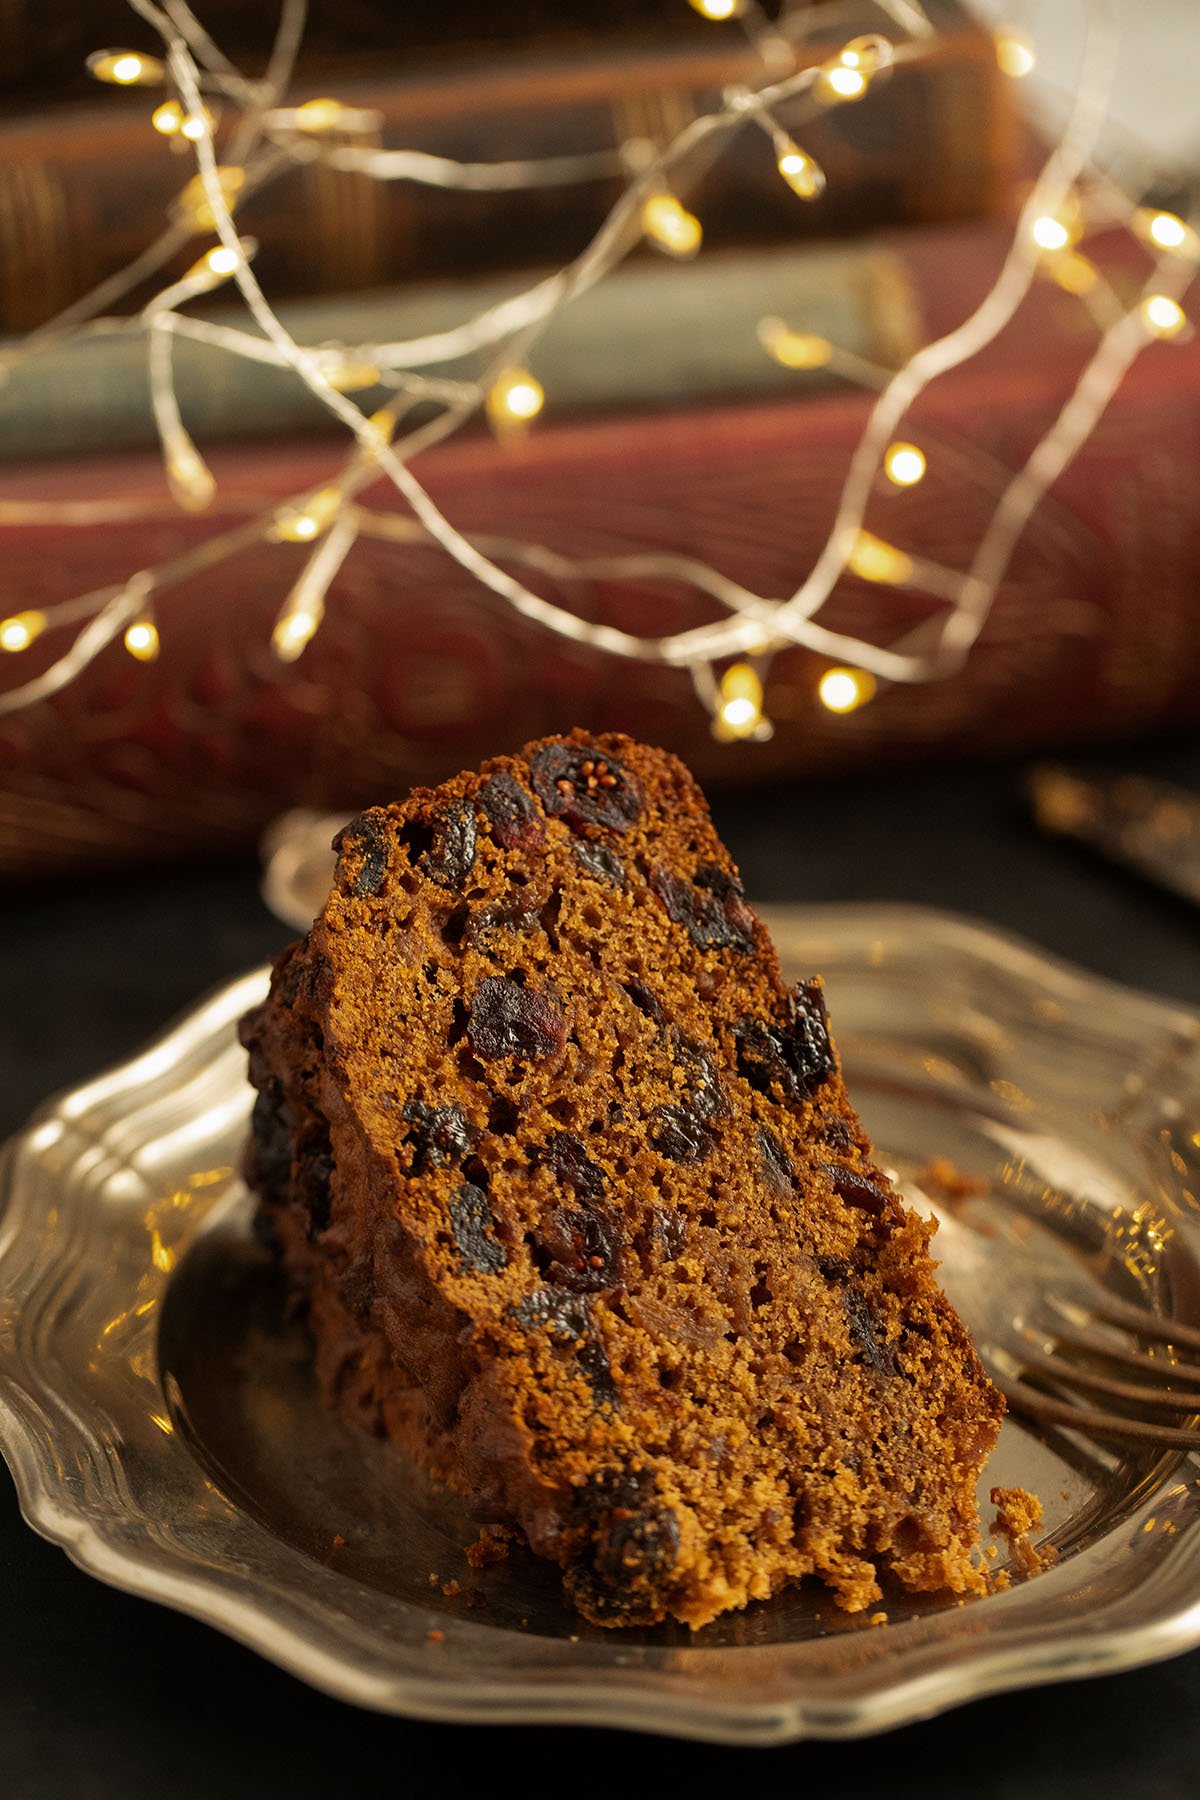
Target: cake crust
(569, 1183)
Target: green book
(652, 334)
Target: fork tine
(1136, 1318)
(1140, 1392)
(1140, 1361)
(1032, 1401)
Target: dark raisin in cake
(568, 1179)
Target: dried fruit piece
(777, 1170)
(634, 1546)
(515, 821)
(555, 1309)
(505, 915)
(793, 1058)
(706, 1097)
(474, 1232)
(440, 1135)
(597, 1372)
(855, 1188)
(314, 1180)
(669, 1231)
(600, 861)
(272, 1126)
(451, 856)
(712, 924)
(580, 1247)
(568, 1161)
(679, 1132)
(507, 1019)
(864, 1332)
(732, 896)
(585, 787)
(645, 1002)
(836, 1133)
(365, 840)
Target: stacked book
(667, 426)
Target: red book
(417, 670)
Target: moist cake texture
(568, 1181)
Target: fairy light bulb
(904, 464)
(803, 174)
(383, 426)
(301, 524)
(514, 399)
(167, 118)
(294, 630)
(738, 714)
(669, 225)
(1015, 53)
(1162, 316)
(794, 349)
(221, 260)
(350, 377)
(319, 115)
(845, 690)
(141, 640)
(1073, 272)
(195, 126)
(1049, 233)
(23, 629)
(125, 68)
(871, 559)
(848, 76)
(841, 83)
(190, 478)
(718, 9)
(868, 54)
(1166, 231)
(192, 203)
(741, 699)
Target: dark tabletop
(106, 1697)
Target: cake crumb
(946, 1181)
(1019, 1512)
(878, 1618)
(451, 1588)
(434, 1636)
(491, 1546)
(339, 1542)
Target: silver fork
(1047, 1332)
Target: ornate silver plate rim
(101, 1471)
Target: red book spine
(417, 670)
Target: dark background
(103, 1697)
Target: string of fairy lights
(242, 134)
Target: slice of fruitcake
(569, 1182)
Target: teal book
(653, 334)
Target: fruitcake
(567, 1181)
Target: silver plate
(157, 1411)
